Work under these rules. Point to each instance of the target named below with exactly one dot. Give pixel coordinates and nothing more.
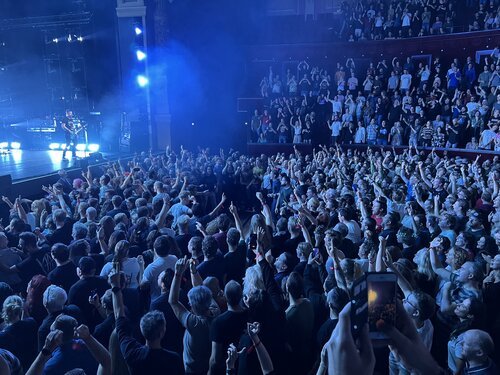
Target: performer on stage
(70, 132)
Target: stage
(29, 164)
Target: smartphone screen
(381, 297)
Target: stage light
(80, 39)
(142, 81)
(70, 38)
(93, 147)
(192, 124)
(54, 146)
(63, 146)
(4, 145)
(140, 55)
(55, 40)
(138, 30)
(15, 145)
(80, 147)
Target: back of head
(54, 298)
(295, 285)
(87, 266)
(66, 324)
(78, 249)
(117, 201)
(233, 293)
(336, 299)
(200, 299)
(60, 252)
(162, 246)
(233, 237)
(209, 246)
(59, 216)
(12, 309)
(153, 325)
(223, 222)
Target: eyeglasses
(407, 300)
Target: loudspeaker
(139, 137)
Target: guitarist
(70, 132)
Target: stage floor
(25, 164)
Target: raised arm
(160, 222)
(266, 364)
(98, 351)
(179, 309)
(266, 211)
(237, 220)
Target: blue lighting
(142, 81)
(138, 30)
(140, 55)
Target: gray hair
(200, 299)
(80, 230)
(54, 298)
(91, 213)
(153, 325)
(253, 280)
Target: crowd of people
(203, 263)
(402, 101)
(377, 20)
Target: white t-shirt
(152, 272)
(336, 126)
(405, 81)
(354, 233)
(130, 268)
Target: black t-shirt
(214, 267)
(64, 276)
(228, 327)
(61, 235)
(325, 332)
(175, 331)
(79, 295)
(20, 339)
(236, 263)
(143, 360)
(102, 331)
(32, 265)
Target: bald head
(477, 345)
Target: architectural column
(161, 109)
(136, 100)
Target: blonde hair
(12, 309)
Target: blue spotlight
(15, 145)
(142, 81)
(140, 55)
(138, 30)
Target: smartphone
(374, 302)
(315, 252)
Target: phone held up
(374, 302)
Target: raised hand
(181, 266)
(253, 330)
(232, 356)
(82, 332)
(53, 340)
